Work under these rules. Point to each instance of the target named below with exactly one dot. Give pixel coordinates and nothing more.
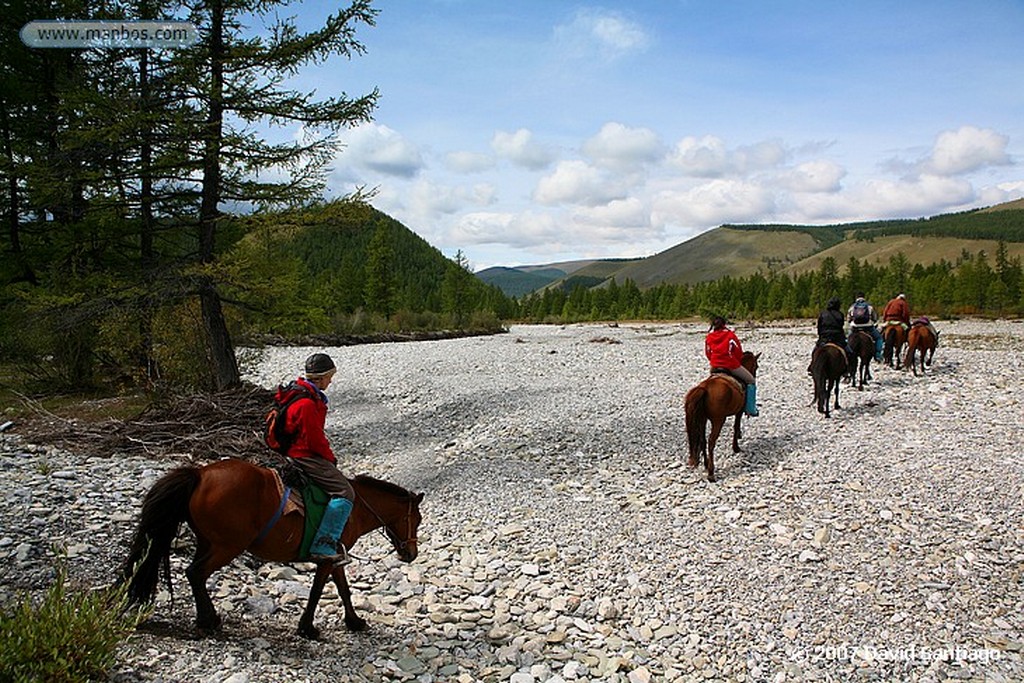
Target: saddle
(841, 349)
(725, 374)
(298, 494)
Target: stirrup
(339, 559)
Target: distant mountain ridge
(742, 250)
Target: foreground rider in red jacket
(724, 352)
(312, 453)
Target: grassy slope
(923, 250)
(742, 252)
(718, 252)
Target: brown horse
(863, 346)
(233, 506)
(895, 337)
(715, 399)
(920, 342)
(828, 365)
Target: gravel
(565, 539)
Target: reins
(398, 543)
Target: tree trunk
(222, 353)
(225, 365)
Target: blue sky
(526, 132)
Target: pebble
(566, 541)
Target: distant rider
(897, 310)
(831, 330)
(724, 352)
(862, 316)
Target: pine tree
(380, 279)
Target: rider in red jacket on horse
(724, 352)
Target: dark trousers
(327, 476)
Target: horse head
(749, 361)
(396, 511)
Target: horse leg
(709, 459)
(353, 621)
(736, 434)
(694, 458)
(819, 391)
(836, 390)
(306, 627)
(205, 562)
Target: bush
(68, 636)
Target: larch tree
(236, 78)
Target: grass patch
(67, 635)
(16, 404)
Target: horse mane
(381, 485)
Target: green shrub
(67, 635)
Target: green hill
(516, 282)
(743, 250)
(332, 266)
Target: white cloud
(621, 213)
(576, 182)
(468, 162)
(521, 149)
(379, 149)
(704, 157)
(713, 203)
(965, 150)
(601, 32)
(924, 196)
(428, 199)
(621, 147)
(523, 230)
(622, 222)
(709, 157)
(812, 176)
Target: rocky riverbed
(565, 539)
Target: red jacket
(305, 420)
(897, 309)
(723, 349)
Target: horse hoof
(692, 462)
(355, 623)
(311, 632)
(207, 629)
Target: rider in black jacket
(831, 323)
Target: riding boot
(325, 544)
(751, 407)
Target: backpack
(861, 313)
(275, 432)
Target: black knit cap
(318, 365)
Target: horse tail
(696, 418)
(164, 508)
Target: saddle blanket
(311, 498)
(724, 374)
